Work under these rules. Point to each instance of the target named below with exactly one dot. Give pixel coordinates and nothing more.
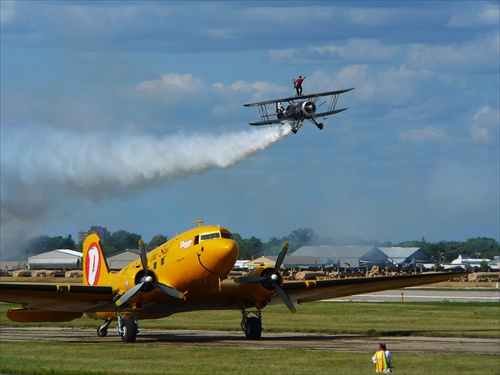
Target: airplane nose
(219, 256)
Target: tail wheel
(253, 328)
(129, 330)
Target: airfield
(235, 339)
(289, 340)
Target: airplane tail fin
(95, 267)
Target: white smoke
(38, 164)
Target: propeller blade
(284, 297)
(144, 257)
(126, 296)
(168, 290)
(281, 257)
(249, 279)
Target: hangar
(59, 259)
(357, 256)
(340, 256)
(119, 260)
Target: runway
(425, 295)
(236, 339)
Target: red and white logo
(93, 264)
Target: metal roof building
(59, 259)
(341, 256)
(124, 258)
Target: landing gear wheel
(294, 130)
(253, 328)
(129, 330)
(102, 332)
(320, 126)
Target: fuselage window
(162, 261)
(209, 236)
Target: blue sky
(130, 115)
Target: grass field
(443, 319)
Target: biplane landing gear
(251, 324)
(127, 328)
(102, 331)
(294, 130)
(318, 124)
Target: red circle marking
(93, 263)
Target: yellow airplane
(186, 273)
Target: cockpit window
(209, 236)
(226, 235)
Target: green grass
(457, 319)
(109, 358)
(381, 319)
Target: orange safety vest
(380, 361)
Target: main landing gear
(127, 328)
(318, 124)
(251, 324)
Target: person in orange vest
(382, 359)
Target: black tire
(102, 332)
(129, 330)
(253, 328)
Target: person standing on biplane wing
(297, 83)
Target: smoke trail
(37, 164)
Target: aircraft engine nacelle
(307, 109)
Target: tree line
(443, 251)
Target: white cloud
(171, 86)
(486, 122)
(484, 14)
(258, 89)
(478, 56)
(428, 133)
(355, 50)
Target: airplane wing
(268, 122)
(292, 98)
(308, 291)
(328, 113)
(63, 302)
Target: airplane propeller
(147, 280)
(270, 279)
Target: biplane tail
(95, 267)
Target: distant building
(356, 256)
(406, 255)
(340, 256)
(60, 259)
(122, 259)
(102, 232)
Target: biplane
(187, 273)
(298, 109)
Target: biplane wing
(302, 97)
(267, 122)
